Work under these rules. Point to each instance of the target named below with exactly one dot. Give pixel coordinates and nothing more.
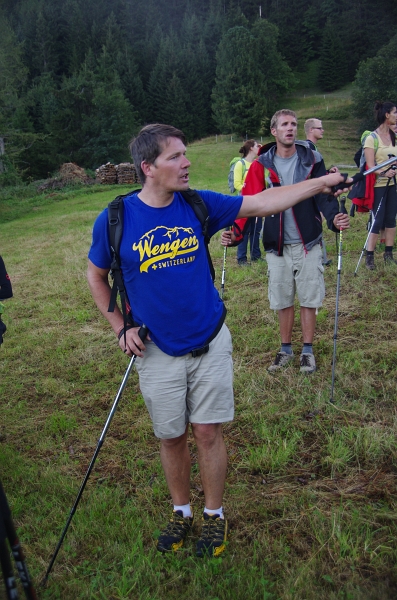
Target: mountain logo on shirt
(166, 244)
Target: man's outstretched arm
(277, 199)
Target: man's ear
(147, 168)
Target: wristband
(121, 332)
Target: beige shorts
(181, 389)
(296, 271)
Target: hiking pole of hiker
(360, 176)
(252, 239)
(223, 270)
(371, 228)
(7, 530)
(142, 334)
(392, 159)
(336, 314)
(344, 211)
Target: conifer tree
(176, 100)
(236, 101)
(15, 128)
(168, 63)
(375, 80)
(332, 61)
(76, 42)
(276, 75)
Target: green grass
(311, 487)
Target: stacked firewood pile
(107, 174)
(124, 173)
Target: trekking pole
(344, 211)
(360, 176)
(142, 334)
(252, 240)
(7, 530)
(336, 314)
(371, 228)
(223, 271)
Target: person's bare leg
(212, 458)
(308, 324)
(390, 235)
(373, 238)
(286, 322)
(175, 458)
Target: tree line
(79, 77)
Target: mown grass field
(311, 486)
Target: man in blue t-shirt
(185, 364)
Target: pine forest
(79, 77)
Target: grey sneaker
(282, 360)
(308, 363)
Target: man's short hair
(283, 111)
(149, 144)
(309, 123)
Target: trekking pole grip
(143, 331)
(343, 185)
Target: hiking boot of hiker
(174, 534)
(282, 360)
(307, 363)
(388, 258)
(212, 541)
(370, 262)
(243, 263)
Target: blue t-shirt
(165, 267)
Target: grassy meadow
(311, 486)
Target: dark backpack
(115, 224)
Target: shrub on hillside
(375, 80)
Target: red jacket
(263, 174)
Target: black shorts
(386, 217)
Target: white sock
(185, 508)
(213, 511)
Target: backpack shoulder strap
(376, 140)
(115, 223)
(199, 208)
(115, 229)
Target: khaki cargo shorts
(182, 389)
(298, 272)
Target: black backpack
(115, 224)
